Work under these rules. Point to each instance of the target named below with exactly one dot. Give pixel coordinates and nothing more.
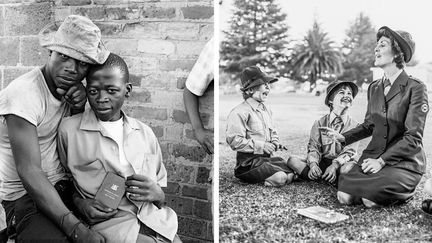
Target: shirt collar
(393, 78)
(90, 122)
(333, 116)
(253, 103)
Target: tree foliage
(257, 36)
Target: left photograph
(106, 121)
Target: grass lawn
(254, 213)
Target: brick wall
(160, 41)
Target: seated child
(103, 139)
(251, 133)
(326, 157)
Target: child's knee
(345, 198)
(277, 179)
(368, 203)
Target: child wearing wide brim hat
(252, 134)
(325, 158)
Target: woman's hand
(333, 134)
(371, 166)
(144, 189)
(330, 173)
(314, 171)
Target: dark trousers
(28, 224)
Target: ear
(128, 89)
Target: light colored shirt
(321, 146)
(202, 73)
(392, 79)
(28, 97)
(88, 151)
(249, 126)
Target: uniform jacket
(396, 122)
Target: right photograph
(324, 122)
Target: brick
(165, 151)
(135, 80)
(181, 81)
(182, 206)
(123, 13)
(169, 99)
(27, 19)
(192, 153)
(192, 227)
(32, 54)
(10, 51)
(154, 12)
(75, 2)
(109, 29)
(60, 13)
(189, 49)
(93, 13)
(122, 47)
(174, 132)
(179, 173)
(210, 231)
(144, 113)
(203, 175)
(140, 95)
(172, 188)
(206, 31)
(9, 74)
(158, 131)
(156, 47)
(106, 2)
(180, 116)
(202, 209)
(196, 192)
(140, 64)
(190, 134)
(197, 12)
(159, 80)
(1, 22)
(177, 64)
(142, 30)
(179, 31)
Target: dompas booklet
(322, 214)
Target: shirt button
(383, 149)
(385, 124)
(385, 136)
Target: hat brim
(353, 86)
(406, 48)
(262, 80)
(47, 40)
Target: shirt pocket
(325, 139)
(149, 166)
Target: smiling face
(261, 92)
(342, 99)
(383, 53)
(65, 71)
(106, 92)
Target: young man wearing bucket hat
(391, 166)
(251, 133)
(327, 158)
(32, 179)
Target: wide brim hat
(332, 87)
(77, 37)
(404, 40)
(253, 76)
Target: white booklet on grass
(322, 214)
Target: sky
(335, 16)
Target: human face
(342, 100)
(383, 53)
(106, 92)
(261, 93)
(65, 71)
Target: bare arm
(25, 147)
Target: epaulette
(416, 79)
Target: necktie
(337, 124)
(387, 86)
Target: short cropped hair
(113, 61)
(397, 51)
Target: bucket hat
(332, 87)
(404, 40)
(253, 76)
(77, 37)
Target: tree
(315, 55)
(358, 48)
(257, 36)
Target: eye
(92, 92)
(63, 56)
(112, 91)
(83, 64)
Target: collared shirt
(321, 146)
(392, 79)
(88, 151)
(28, 97)
(249, 126)
(202, 73)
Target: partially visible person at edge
(196, 84)
(33, 183)
(104, 139)
(327, 158)
(252, 134)
(394, 161)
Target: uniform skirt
(389, 186)
(255, 168)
